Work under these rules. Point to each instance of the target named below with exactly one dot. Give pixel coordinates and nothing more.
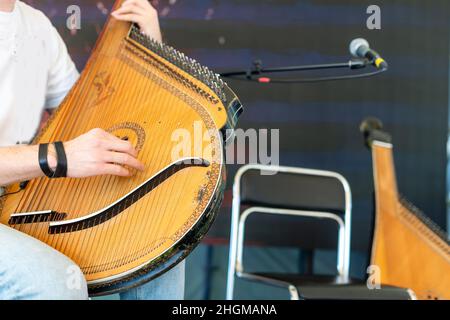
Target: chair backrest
(300, 190)
(292, 188)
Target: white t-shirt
(36, 72)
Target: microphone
(360, 48)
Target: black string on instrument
(257, 72)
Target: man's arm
(93, 153)
(19, 163)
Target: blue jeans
(30, 269)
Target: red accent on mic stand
(263, 80)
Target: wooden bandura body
(126, 231)
(410, 251)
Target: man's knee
(64, 282)
(55, 279)
(33, 270)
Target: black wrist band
(43, 162)
(61, 167)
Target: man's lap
(29, 269)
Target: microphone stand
(258, 70)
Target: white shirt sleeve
(62, 73)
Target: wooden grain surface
(408, 253)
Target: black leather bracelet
(61, 167)
(43, 161)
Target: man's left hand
(142, 13)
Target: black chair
(313, 210)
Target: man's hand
(94, 153)
(98, 153)
(142, 13)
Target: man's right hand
(98, 152)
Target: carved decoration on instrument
(201, 192)
(102, 83)
(130, 131)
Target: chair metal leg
(294, 293)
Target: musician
(36, 73)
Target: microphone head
(358, 47)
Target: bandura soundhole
(123, 229)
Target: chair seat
(330, 288)
(302, 279)
(354, 292)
